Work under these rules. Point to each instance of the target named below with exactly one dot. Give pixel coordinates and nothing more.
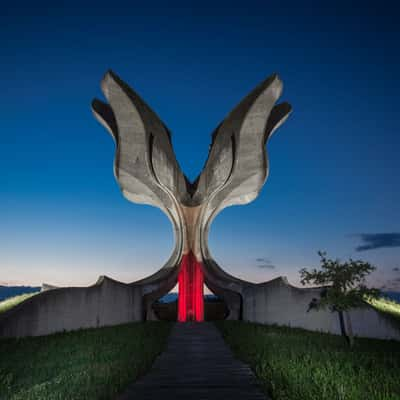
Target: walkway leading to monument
(197, 364)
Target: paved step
(197, 364)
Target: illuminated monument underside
(147, 172)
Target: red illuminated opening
(190, 290)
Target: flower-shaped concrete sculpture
(148, 172)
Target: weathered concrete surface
(197, 364)
(277, 302)
(147, 171)
(108, 302)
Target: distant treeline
(11, 291)
(394, 296)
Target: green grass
(13, 301)
(87, 364)
(387, 306)
(295, 364)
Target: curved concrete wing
(245, 131)
(144, 165)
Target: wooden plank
(197, 364)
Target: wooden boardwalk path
(197, 364)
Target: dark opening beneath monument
(166, 308)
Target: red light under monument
(190, 290)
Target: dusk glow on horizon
(334, 169)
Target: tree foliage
(344, 282)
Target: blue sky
(334, 164)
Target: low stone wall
(277, 302)
(108, 302)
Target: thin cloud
(371, 241)
(393, 284)
(10, 283)
(264, 263)
(266, 266)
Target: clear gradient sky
(334, 165)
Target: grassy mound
(14, 301)
(386, 306)
(296, 364)
(86, 364)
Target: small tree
(344, 287)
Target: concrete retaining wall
(277, 302)
(108, 302)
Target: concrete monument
(147, 172)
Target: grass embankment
(87, 364)
(13, 301)
(296, 364)
(386, 306)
